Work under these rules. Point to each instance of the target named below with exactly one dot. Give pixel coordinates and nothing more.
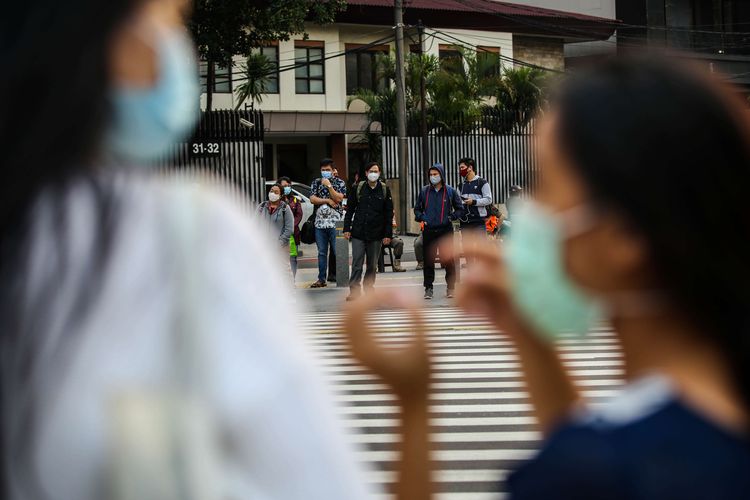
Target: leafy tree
(225, 28)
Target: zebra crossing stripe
(481, 421)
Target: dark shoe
(332, 279)
(428, 293)
(420, 266)
(319, 284)
(449, 294)
(397, 267)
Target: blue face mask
(541, 288)
(326, 174)
(148, 122)
(287, 190)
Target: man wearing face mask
(326, 193)
(438, 205)
(368, 224)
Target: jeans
(360, 250)
(432, 238)
(324, 239)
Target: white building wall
(336, 37)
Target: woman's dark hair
(54, 87)
(647, 136)
(284, 179)
(372, 164)
(54, 114)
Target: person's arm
(458, 207)
(419, 207)
(269, 400)
(288, 229)
(408, 373)
(486, 199)
(351, 208)
(298, 213)
(314, 198)
(336, 195)
(485, 289)
(388, 215)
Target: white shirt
(214, 279)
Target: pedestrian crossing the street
(481, 420)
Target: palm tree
(256, 72)
(521, 93)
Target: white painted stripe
(461, 437)
(443, 421)
(511, 454)
(445, 476)
(442, 408)
(452, 396)
(611, 384)
(341, 378)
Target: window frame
(307, 46)
(276, 62)
(372, 52)
(226, 78)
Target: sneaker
(428, 293)
(420, 266)
(449, 294)
(319, 284)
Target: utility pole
(422, 103)
(403, 156)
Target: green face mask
(541, 288)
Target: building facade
(309, 112)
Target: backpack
(362, 184)
(492, 209)
(307, 232)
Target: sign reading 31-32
(205, 149)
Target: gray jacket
(280, 223)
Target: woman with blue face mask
(626, 152)
(142, 354)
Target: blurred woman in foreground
(141, 353)
(624, 228)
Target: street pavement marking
(482, 424)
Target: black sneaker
(428, 293)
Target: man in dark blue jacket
(438, 205)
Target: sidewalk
(309, 258)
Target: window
(362, 70)
(450, 58)
(309, 76)
(272, 53)
(222, 78)
(488, 59)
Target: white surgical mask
(273, 197)
(373, 176)
(435, 179)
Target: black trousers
(432, 239)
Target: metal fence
(503, 145)
(228, 146)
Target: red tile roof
(484, 6)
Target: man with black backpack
(438, 205)
(368, 225)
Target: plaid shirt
(327, 216)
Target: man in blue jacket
(438, 205)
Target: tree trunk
(210, 78)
